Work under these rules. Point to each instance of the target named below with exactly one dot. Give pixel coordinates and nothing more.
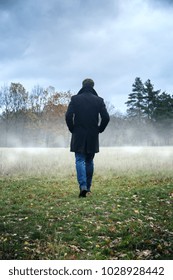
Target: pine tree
(151, 100)
(164, 108)
(135, 100)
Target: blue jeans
(85, 170)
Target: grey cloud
(8, 4)
(163, 2)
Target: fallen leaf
(145, 253)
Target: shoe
(88, 193)
(83, 193)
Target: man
(82, 118)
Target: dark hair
(88, 82)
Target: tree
(151, 100)
(164, 107)
(18, 97)
(37, 99)
(54, 117)
(135, 100)
(164, 117)
(6, 114)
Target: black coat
(82, 118)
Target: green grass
(127, 217)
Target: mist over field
(60, 162)
(120, 132)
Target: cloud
(59, 43)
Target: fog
(59, 162)
(119, 132)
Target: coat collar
(87, 89)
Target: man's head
(88, 83)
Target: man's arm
(104, 117)
(69, 116)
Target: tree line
(33, 118)
(149, 104)
(151, 111)
(148, 119)
(37, 118)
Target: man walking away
(82, 118)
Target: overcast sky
(61, 42)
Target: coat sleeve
(104, 117)
(69, 116)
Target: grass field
(128, 216)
